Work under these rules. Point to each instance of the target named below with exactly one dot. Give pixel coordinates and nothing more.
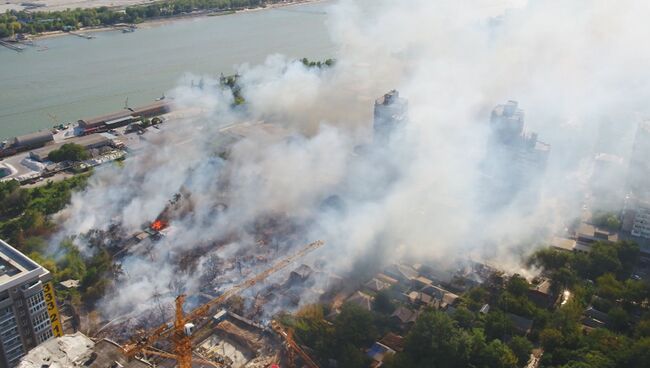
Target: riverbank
(73, 77)
(155, 22)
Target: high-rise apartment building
(28, 311)
(390, 112)
(515, 161)
(638, 176)
(636, 211)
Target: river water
(76, 78)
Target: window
(36, 303)
(6, 310)
(41, 322)
(12, 332)
(45, 336)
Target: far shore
(166, 20)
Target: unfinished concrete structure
(78, 350)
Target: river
(75, 77)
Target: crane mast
(292, 345)
(180, 339)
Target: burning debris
(159, 225)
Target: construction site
(213, 334)
(226, 290)
(244, 276)
(228, 323)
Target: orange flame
(158, 225)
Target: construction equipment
(292, 346)
(180, 332)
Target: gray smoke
(570, 64)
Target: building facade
(638, 176)
(390, 113)
(636, 210)
(636, 217)
(27, 305)
(515, 160)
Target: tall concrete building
(390, 112)
(514, 159)
(607, 193)
(638, 176)
(27, 305)
(636, 217)
(636, 211)
(506, 124)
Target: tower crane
(292, 345)
(180, 332)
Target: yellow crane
(292, 345)
(180, 336)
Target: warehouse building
(88, 142)
(33, 140)
(122, 118)
(27, 305)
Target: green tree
(563, 278)
(609, 287)
(604, 259)
(498, 355)
(464, 317)
(517, 285)
(551, 339)
(619, 319)
(435, 341)
(639, 355)
(498, 325)
(69, 152)
(383, 303)
(355, 325)
(352, 357)
(521, 348)
(628, 255)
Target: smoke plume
(301, 151)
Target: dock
(82, 35)
(12, 46)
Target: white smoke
(570, 64)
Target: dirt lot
(49, 5)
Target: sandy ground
(50, 5)
(147, 24)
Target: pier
(12, 46)
(82, 35)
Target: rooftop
(87, 140)
(91, 122)
(563, 243)
(588, 233)
(16, 267)
(405, 315)
(361, 299)
(521, 324)
(389, 98)
(62, 352)
(78, 350)
(377, 285)
(393, 341)
(39, 135)
(378, 351)
(509, 109)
